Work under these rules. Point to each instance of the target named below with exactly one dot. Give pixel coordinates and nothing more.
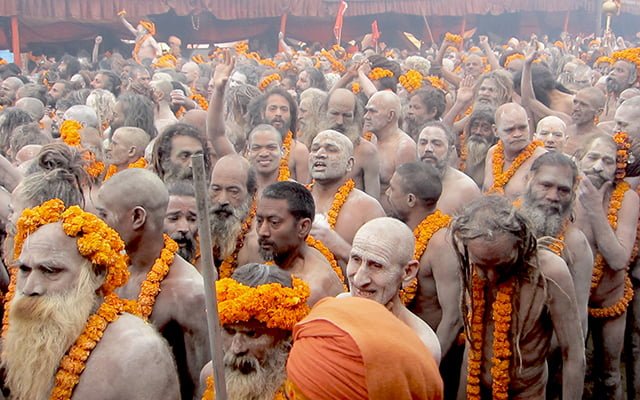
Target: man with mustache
(478, 139)
(127, 146)
(63, 291)
(169, 290)
(344, 114)
(232, 192)
(283, 221)
(181, 220)
(588, 105)
(173, 149)
(256, 344)
(395, 147)
(549, 203)
(608, 216)
(508, 162)
(341, 209)
(436, 146)
(425, 105)
(623, 75)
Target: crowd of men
(456, 222)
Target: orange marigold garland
(423, 233)
(379, 73)
(557, 245)
(513, 57)
(284, 173)
(200, 100)
(70, 132)
(274, 305)
(231, 262)
(166, 61)
(268, 80)
(631, 55)
(318, 245)
(336, 65)
(500, 177)
(74, 362)
(622, 154)
(368, 136)
(437, 82)
(501, 313)
(411, 81)
(210, 391)
(355, 87)
(338, 201)
(140, 163)
(450, 37)
(150, 288)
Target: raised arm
(488, 52)
(126, 23)
(464, 96)
(366, 85)
(283, 45)
(351, 74)
(528, 97)
(446, 74)
(96, 49)
(215, 115)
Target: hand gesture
(484, 40)
(532, 55)
(364, 68)
(223, 69)
(98, 39)
(465, 91)
(591, 197)
(178, 97)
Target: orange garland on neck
(318, 245)
(557, 246)
(210, 392)
(368, 136)
(140, 163)
(231, 262)
(501, 313)
(500, 177)
(150, 288)
(284, 173)
(201, 100)
(423, 234)
(137, 46)
(339, 199)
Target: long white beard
(264, 381)
(225, 231)
(41, 330)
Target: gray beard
(543, 223)
(477, 151)
(225, 229)
(247, 379)
(352, 130)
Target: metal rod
(209, 275)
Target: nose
(339, 119)
(263, 229)
(182, 225)
(32, 285)
(552, 194)
(239, 345)
(361, 278)
(598, 166)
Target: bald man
(512, 129)
(36, 109)
(381, 263)
(83, 114)
(395, 147)
(191, 71)
(163, 114)
(127, 146)
(134, 203)
(588, 105)
(8, 90)
(552, 132)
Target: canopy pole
(15, 40)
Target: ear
(391, 116)
(350, 163)
(495, 130)
(138, 217)
(304, 227)
(432, 113)
(132, 151)
(411, 200)
(409, 272)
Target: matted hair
(255, 274)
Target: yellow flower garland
(437, 83)
(501, 313)
(423, 234)
(210, 392)
(339, 199)
(513, 57)
(318, 245)
(70, 133)
(166, 61)
(411, 81)
(379, 73)
(631, 55)
(557, 246)
(231, 262)
(450, 37)
(355, 87)
(268, 62)
(201, 100)
(74, 362)
(150, 287)
(605, 60)
(272, 304)
(336, 65)
(368, 136)
(284, 173)
(140, 163)
(242, 47)
(500, 177)
(622, 154)
(268, 80)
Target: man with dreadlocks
(515, 296)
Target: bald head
(551, 122)
(388, 233)
(132, 189)
(508, 109)
(33, 106)
(343, 96)
(338, 138)
(387, 100)
(163, 88)
(197, 119)
(594, 96)
(13, 83)
(132, 137)
(237, 168)
(83, 114)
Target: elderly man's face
(328, 158)
(374, 270)
(513, 130)
(599, 162)
(627, 119)
(494, 259)
(181, 223)
(179, 163)
(49, 263)
(551, 189)
(488, 92)
(417, 112)
(376, 115)
(247, 344)
(620, 76)
(433, 147)
(341, 110)
(552, 134)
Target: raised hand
(98, 39)
(465, 91)
(223, 69)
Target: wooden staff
(426, 23)
(209, 275)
